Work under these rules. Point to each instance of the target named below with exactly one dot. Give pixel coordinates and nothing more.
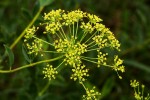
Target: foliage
(129, 21)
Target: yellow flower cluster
(74, 34)
(72, 51)
(35, 47)
(99, 27)
(114, 43)
(91, 94)
(72, 17)
(54, 15)
(139, 92)
(134, 83)
(118, 64)
(101, 59)
(52, 27)
(79, 72)
(30, 33)
(100, 41)
(49, 72)
(87, 27)
(93, 18)
(53, 19)
(106, 38)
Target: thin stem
(92, 46)
(84, 34)
(59, 36)
(24, 31)
(83, 85)
(52, 52)
(76, 30)
(91, 43)
(63, 32)
(59, 64)
(95, 62)
(30, 65)
(88, 57)
(43, 41)
(93, 49)
(70, 31)
(142, 93)
(44, 89)
(90, 37)
(88, 60)
(73, 29)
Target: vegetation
(69, 50)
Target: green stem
(93, 49)
(24, 31)
(70, 31)
(30, 65)
(90, 37)
(83, 86)
(59, 64)
(76, 30)
(44, 89)
(59, 36)
(83, 36)
(43, 41)
(91, 45)
(52, 52)
(88, 57)
(88, 60)
(73, 30)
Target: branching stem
(30, 65)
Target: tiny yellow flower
(49, 72)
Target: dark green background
(129, 20)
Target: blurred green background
(129, 20)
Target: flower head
(91, 94)
(49, 72)
(139, 90)
(73, 35)
(79, 72)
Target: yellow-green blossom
(52, 27)
(99, 27)
(49, 72)
(72, 51)
(100, 41)
(91, 94)
(35, 47)
(72, 35)
(101, 59)
(54, 15)
(87, 27)
(30, 33)
(118, 64)
(72, 17)
(139, 90)
(134, 83)
(79, 72)
(93, 18)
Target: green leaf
(138, 65)
(45, 2)
(10, 55)
(24, 51)
(107, 87)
